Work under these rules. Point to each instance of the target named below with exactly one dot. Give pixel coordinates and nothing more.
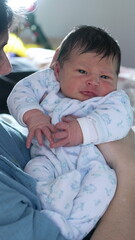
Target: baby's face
(87, 75)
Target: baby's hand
(68, 133)
(39, 125)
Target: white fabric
(88, 129)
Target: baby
(74, 182)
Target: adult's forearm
(118, 223)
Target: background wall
(57, 18)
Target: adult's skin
(5, 66)
(119, 220)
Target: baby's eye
(104, 76)
(82, 71)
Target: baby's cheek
(107, 88)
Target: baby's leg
(59, 195)
(41, 169)
(56, 192)
(96, 191)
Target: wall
(118, 16)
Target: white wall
(118, 16)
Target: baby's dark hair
(89, 39)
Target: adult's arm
(118, 223)
(20, 212)
(19, 220)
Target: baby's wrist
(29, 115)
(88, 130)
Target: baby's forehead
(94, 53)
(90, 57)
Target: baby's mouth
(89, 94)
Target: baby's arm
(109, 121)
(26, 95)
(24, 105)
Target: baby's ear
(57, 70)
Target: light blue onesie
(75, 185)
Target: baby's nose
(93, 80)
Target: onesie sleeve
(110, 120)
(28, 93)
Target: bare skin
(5, 66)
(119, 219)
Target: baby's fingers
(62, 126)
(59, 135)
(47, 131)
(39, 136)
(69, 118)
(60, 143)
(29, 139)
